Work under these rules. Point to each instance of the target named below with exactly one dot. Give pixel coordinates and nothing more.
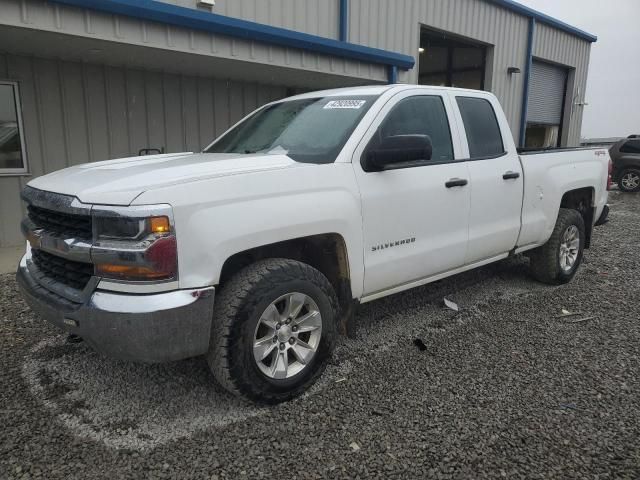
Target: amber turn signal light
(126, 272)
(160, 224)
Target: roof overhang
(546, 19)
(153, 10)
(93, 51)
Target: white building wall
(317, 17)
(559, 47)
(89, 24)
(395, 25)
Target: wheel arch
(326, 253)
(625, 163)
(583, 201)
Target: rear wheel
(273, 331)
(629, 180)
(557, 261)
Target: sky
(613, 86)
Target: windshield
(310, 130)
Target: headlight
(123, 228)
(134, 248)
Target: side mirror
(398, 149)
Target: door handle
(456, 182)
(511, 175)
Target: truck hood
(119, 182)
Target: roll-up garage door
(546, 94)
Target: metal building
(87, 80)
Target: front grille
(63, 224)
(73, 274)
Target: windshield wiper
(256, 150)
(276, 149)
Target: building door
(446, 61)
(545, 109)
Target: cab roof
(376, 90)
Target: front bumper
(146, 328)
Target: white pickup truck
(299, 212)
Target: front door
(415, 217)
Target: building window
(12, 150)
(450, 62)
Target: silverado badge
(395, 243)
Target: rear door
(414, 225)
(495, 175)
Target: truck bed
(548, 173)
(536, 151)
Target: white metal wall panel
(75, 113)
(317, 17)
(562, 48)
(53, 17)
(387, 24)
(546, 94)
(395, 25)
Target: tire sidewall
(576, 220)
(242, 362)
(622, 174)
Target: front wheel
(629, 180)
(273, 330)
(557, 261)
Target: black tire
(237, 311)
(635, 173)
(545, 260)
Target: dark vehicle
(625, 156)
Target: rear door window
(481, 124)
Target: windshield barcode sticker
(354, 104)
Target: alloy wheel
(287, 336)
(630, 180)
(569, 248)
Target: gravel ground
(503, 388)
